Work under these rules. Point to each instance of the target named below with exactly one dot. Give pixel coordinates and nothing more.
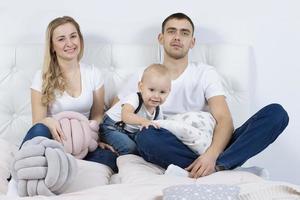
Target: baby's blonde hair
(157, 70)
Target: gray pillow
(201, 192)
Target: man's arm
(205, 163)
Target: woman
(66, 84)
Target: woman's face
(66, 42)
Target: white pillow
(135, 170)
(90, 174)
(6, 156)
(194, 129)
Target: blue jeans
(161, 147)
(102, 156)
(122, 140)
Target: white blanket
(194, 129)
(142, 180)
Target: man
(197, 87)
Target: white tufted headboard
(19, 63)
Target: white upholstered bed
(136, 179)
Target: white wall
(272, 27)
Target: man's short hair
(177, 16)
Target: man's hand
(204, 165)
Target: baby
(137, 110)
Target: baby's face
(155, 90)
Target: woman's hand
(54, 128)
(103, 145)
(94, 125)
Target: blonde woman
(66, 84)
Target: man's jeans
(121, 140)
(161, 147)
(102, 156)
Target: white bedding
(139, 179)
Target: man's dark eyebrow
(171, 28)
(185, 30)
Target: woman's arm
(97, 109)
(39, 111)
(114, 101)
(97, 112)
(39, 115)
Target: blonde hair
(156, 70)
(52, 75)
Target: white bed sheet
(138, 179)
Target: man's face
(177, 38)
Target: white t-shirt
(91, 80)
(115, 112)
(189, 92)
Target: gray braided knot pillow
(41, 167)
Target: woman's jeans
(121, 140)
(161, 147)
(102, 156)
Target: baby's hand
(148, 123)
(103, 145)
